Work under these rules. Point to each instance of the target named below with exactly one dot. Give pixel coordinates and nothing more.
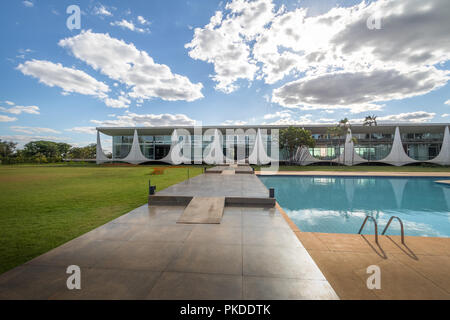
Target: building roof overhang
(314, 128)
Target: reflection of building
(396, 144)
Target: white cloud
(447, 102)
(278, 114)
(121, 102)
(23, 139)
(357, 91)
(221, 42)
(288, 118)
(102, 11)
(9, 103)
(125, 63)
(132, 119)
(68, 79)
(33, 130)
(303, 119)
(234, 123)
(28, 4)
(86, 130)
(7, 119)
(414, 117)
(142, 20)
(418, 116)
(445, 115)
(129, 25)
(252, 40)
(21, 109)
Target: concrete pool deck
(418, 269)
(145, 254)
(355, 173)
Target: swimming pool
(334, 204)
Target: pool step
(156, 200)
(208, 210)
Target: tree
(52, 151)
(338, 131)
(47, 148)
(7, 148)
(345, 123)
(369, 121)
(63, 149)
(87, 152)
(292, 138)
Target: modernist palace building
(395, 144)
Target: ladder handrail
(401, 227)
(376, 227)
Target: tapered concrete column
(443, 158)
(135, 156)
(215, 154)
(176, 152)
(100, 156)
(349, 157)
(259, 153)
(304, 157)
(397, 156)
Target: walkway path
(145, 254)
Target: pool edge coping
(355, 174)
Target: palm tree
(344, 123)
(369, 121)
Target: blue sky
(180, 64)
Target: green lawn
(365, 168)
(44, 206)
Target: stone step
(156, 200)
(208, 210)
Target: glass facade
(370, 146)
(422, 146)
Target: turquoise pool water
(339, 204)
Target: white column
(135, 156)
(100, 156)
(397, 156)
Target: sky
(155, 63)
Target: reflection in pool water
(339, 204)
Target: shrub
(158, 171)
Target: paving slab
(146, 254)
(417, 269)
(265, 288)
(239, 169)
(203, 210)
(197, 286)
(217, 185)
(228, 172)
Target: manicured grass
(365, 168)
(44, 206)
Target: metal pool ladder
(376, 226)
(401, 227)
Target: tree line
(43, 152)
